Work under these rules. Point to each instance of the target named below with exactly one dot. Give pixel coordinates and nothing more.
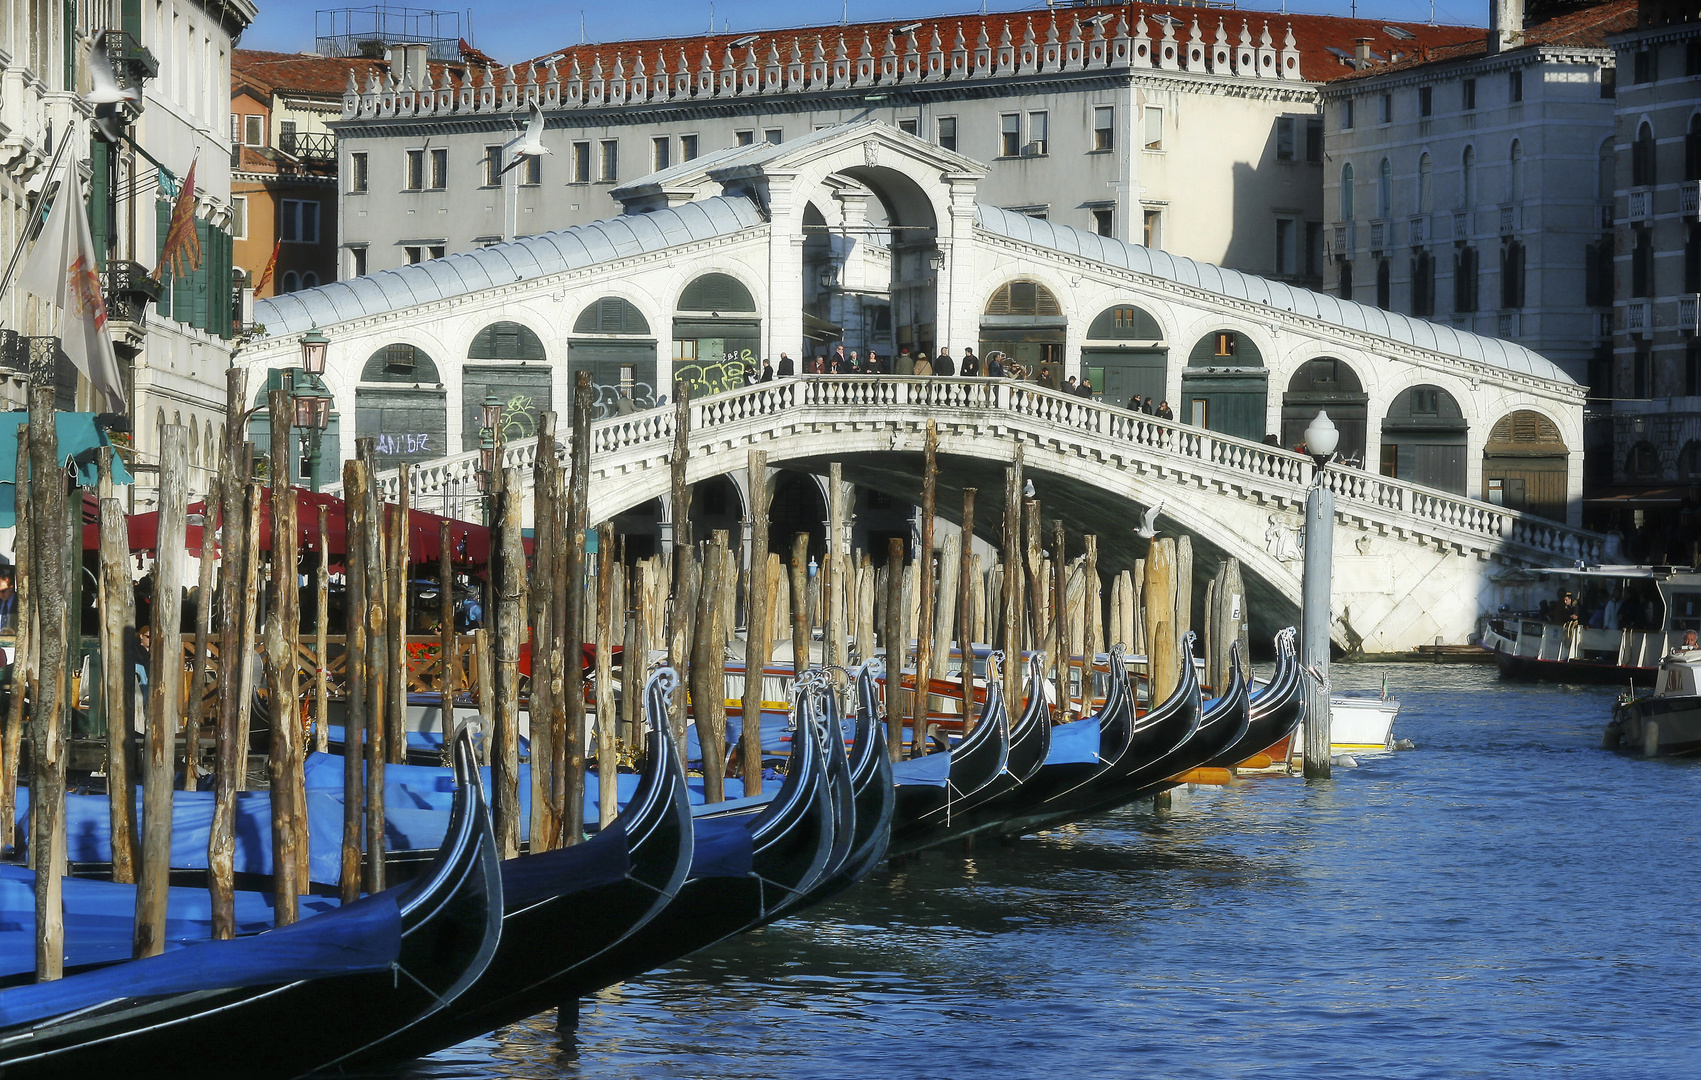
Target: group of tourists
(904, 365)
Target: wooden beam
(965, 609)
(924, 587)
(757, 628)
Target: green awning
(79, 440)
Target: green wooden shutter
(198, 316)
(162, 215)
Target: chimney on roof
(1505, 24)
(408, 63)
(1361, 53)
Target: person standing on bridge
(767, 371)
(904, 368)
(971, 364)
(1165, 412)
(1069, 386)
(786, 370)
(1086, 389)
(995, 365)
(923, 366)
(942, 364)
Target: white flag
(62, 270)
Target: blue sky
(514, 30)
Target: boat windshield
(1611, 602)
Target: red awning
(469, 543)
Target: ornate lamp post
(1321, 438)
(312, 399)
(489, 448)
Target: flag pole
(35, 212)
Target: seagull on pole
(1028, 490)
(529, 145)
(106, 94)
(1148, 527)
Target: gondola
(1165, 727)
(872, 792)
(286, 1002)
(930, 787)
(563, 907)
(1274, 711)
(765, 858)
(1223, 723)
(1030, 740)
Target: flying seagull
(529, 145)
(1148, 527)
(106, 95)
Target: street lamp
(491, 412)
(312, 399)
(1321, 438)
(314, 343)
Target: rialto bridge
(867, 236)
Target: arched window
(1642, 157)
(1023, 298)
(716, 292)
(1468, 178)
(1384, 285)
(400, 363)
(289, 283)
(1346, 279)
(1423, 283)
(505, 341)
(1347, 192)
(1689, 461)
(1423, 192)
(309, 280)
(1385, 190)
(611, 315)
(1512, 275)
(1515, 173)
(194, 441)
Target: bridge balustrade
(1255, 468)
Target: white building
(1472, 185)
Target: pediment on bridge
(748, 170)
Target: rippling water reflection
(1507, 899)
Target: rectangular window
(439, 168)
(947, 128)
(415, 254)
(1386, 114)
(1314, 141)
(581, 163)
(1287, 246)
(492, 166)
(1104, 127)
(610, 161)
(239, 217)
(1515, 85)
(1347, 111)
(1609, 82)
(1647, 70)
(416, 170)
(744, 138)
(286, 136)
(1154, 136)
(1152, 233)
(687, 148)
(437, 251)
(254, 130)
(1104, 220)
(1284, 138)
(1314, 249)
(1010, 135)
(1038, 130)
(1692, 371)
(1225, 343)
(298, 221)
(357, 262)
(1426, 101)
(909, 127)
(531, 173)
(1467, 94)
(357, 172)
(1641, 372)
(659, 146)
(773, 136)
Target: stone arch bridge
(1412, 564)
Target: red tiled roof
(1314, 35)
(1583, 28)
(308, 73)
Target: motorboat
(1665, 722)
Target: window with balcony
(1642, 263)
(1104, 127)
(298, 221)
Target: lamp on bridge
(1321, 438)
(312, 399)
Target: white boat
(1666, 722)
(1359, 723)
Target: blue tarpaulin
(1074, 744)
(79, 437)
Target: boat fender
(1344, 761)
(1405, 744)
(1613, 736)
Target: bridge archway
(1525, 463)
(1024, 320)
(1124, 354)
(1329, 384)
(717, 334)
(612, 340)
(506, 359)
(1424, 437)
(1225, 386)
(400, 403)
(798, 506)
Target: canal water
(1507, 899)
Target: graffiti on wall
(732, 371)
(519, 417)
(605, 399)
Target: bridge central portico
(1412, 563)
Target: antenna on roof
(844, 14)
(1432, 12)
(711, 16)
(581, 26)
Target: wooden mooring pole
(230, 757)
(357, 526)
(924, 586)
(284, 616)
(510, 587)
(396, 601)
(1163, 667)
(757, 629)
(569, 745)
(321, 629)
(682, 610)
(117, 623)
(608, 763)
(165, 679)
(965, 609)
(799, 603)
(49, 530)
(1012, 602)
(377, 657)
(546, 633)
(896, 646)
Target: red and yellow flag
(182, 251)
(271, 264)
